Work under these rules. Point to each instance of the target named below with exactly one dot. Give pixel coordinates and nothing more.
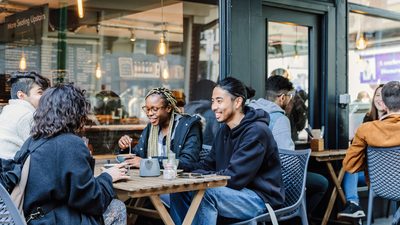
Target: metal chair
(294, 170)
(205, 150)
(383, 168)
(9, 213)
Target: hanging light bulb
(162, 47)
(361, 41)
(133, 36)
(165, 73)
(22, 62)
(80, 8)
(98, 71)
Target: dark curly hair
(62, 109)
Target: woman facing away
(168, 130)
(61, 187)
(351, 181)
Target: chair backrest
(205, 149)
(384, 169)
(294, 170)
(8, 211)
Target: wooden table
(327, 156)
(153, 187)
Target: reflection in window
(393, 5)
(375, 62)
(116, 52)
(288, 56)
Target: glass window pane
(116, 52)
(288, 50)
(393, 5)
(374, 58)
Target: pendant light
(162, 47)
(79, 3)
(361, 41)
(22, 62)
(98, 71)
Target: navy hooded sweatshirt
(249, 155)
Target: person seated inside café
(377, 133)
(245, 150)
(168, 130)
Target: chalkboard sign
(4, 88)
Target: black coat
(249, 155)
(186, 143)
(61, 173)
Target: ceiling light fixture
(133, 36)
(162, 47)
(22, 62)
(98, 71)
(80, 8)
(361, 41)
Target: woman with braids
(61, 188)
(168, 130)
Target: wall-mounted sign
(380, 68)
(26, 25)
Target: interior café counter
(103, 139)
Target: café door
(293, 44)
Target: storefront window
(117, 52)
(288, 55)
(374, 58)
(393, 5)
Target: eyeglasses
(152, 109)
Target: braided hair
(170, 100)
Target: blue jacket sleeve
(189, 153)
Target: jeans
(115, 213)
(316, 186)
(221, 201)
(350, 184)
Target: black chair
(9, 213)
(383, 168)
(205, 150)
(294, 170)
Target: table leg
(337, 181)
(336, 189)
(166, 218)
(193, 207)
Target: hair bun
(250, 92)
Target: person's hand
(117, 172)
(124, 142)
(135, 161)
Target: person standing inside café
(168, 130)
(279, 93)
(245, 150)
(351, 180)
(61, 188)
(377, 133)
(16, 117)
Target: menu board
(4, 88)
